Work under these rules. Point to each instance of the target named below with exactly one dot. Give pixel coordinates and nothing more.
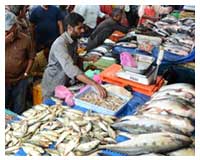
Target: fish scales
(146, 143)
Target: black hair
(73, 19)
(16, 9)
(116, 12)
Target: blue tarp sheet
(169, 58)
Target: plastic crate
(96, 108)
(109, 75)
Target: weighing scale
(146, 78)
(145, 73)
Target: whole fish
(12, 149)
(159, 142)
(31, 151)
(85, 147)
(20, 132)
(37, 148)
(179, 86)
(183, 124)
(188, 102)
(183, 152)
(175, 92)
(140, 124)
(170, 106)
(71, 145)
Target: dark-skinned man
(106, 28)
(19, 56)
(64, 64)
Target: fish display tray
(97, 108)
(143, 62)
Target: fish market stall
(162, 125)
(149, 109)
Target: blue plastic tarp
(131, 107)
(169, 58)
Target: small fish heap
(178, 34)
(68, 131)
(111, 102)
(180, 40)
(162, 126)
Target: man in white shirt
(90, 13)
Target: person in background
(151, 12)
(163, 11)
(46, 23)
(146, 12)
(64, 65)
(20, 11)
(19, 57)
(64, 10)
(90, 13)
(41, 61)
(131, 12)
(105, 29)
(107, 9)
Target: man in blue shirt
(46, 24)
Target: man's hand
(102, 91)
(83, 78)
(10, 37)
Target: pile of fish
(111, 102)
(102, 50)
(180, 44)
(178, 34)
(180, 39)
(68, 131)
(170, 25)
(164, 125)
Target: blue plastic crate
(96, 108)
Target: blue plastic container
(96, 108)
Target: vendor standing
(151, 12)
(19, 56)
(64, 64)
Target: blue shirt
(46, 23)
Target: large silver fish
(182, 124)
(160, 142)
(180, 86)
(170, 106)
(140, 124)
(175, 92)
(187, 102)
